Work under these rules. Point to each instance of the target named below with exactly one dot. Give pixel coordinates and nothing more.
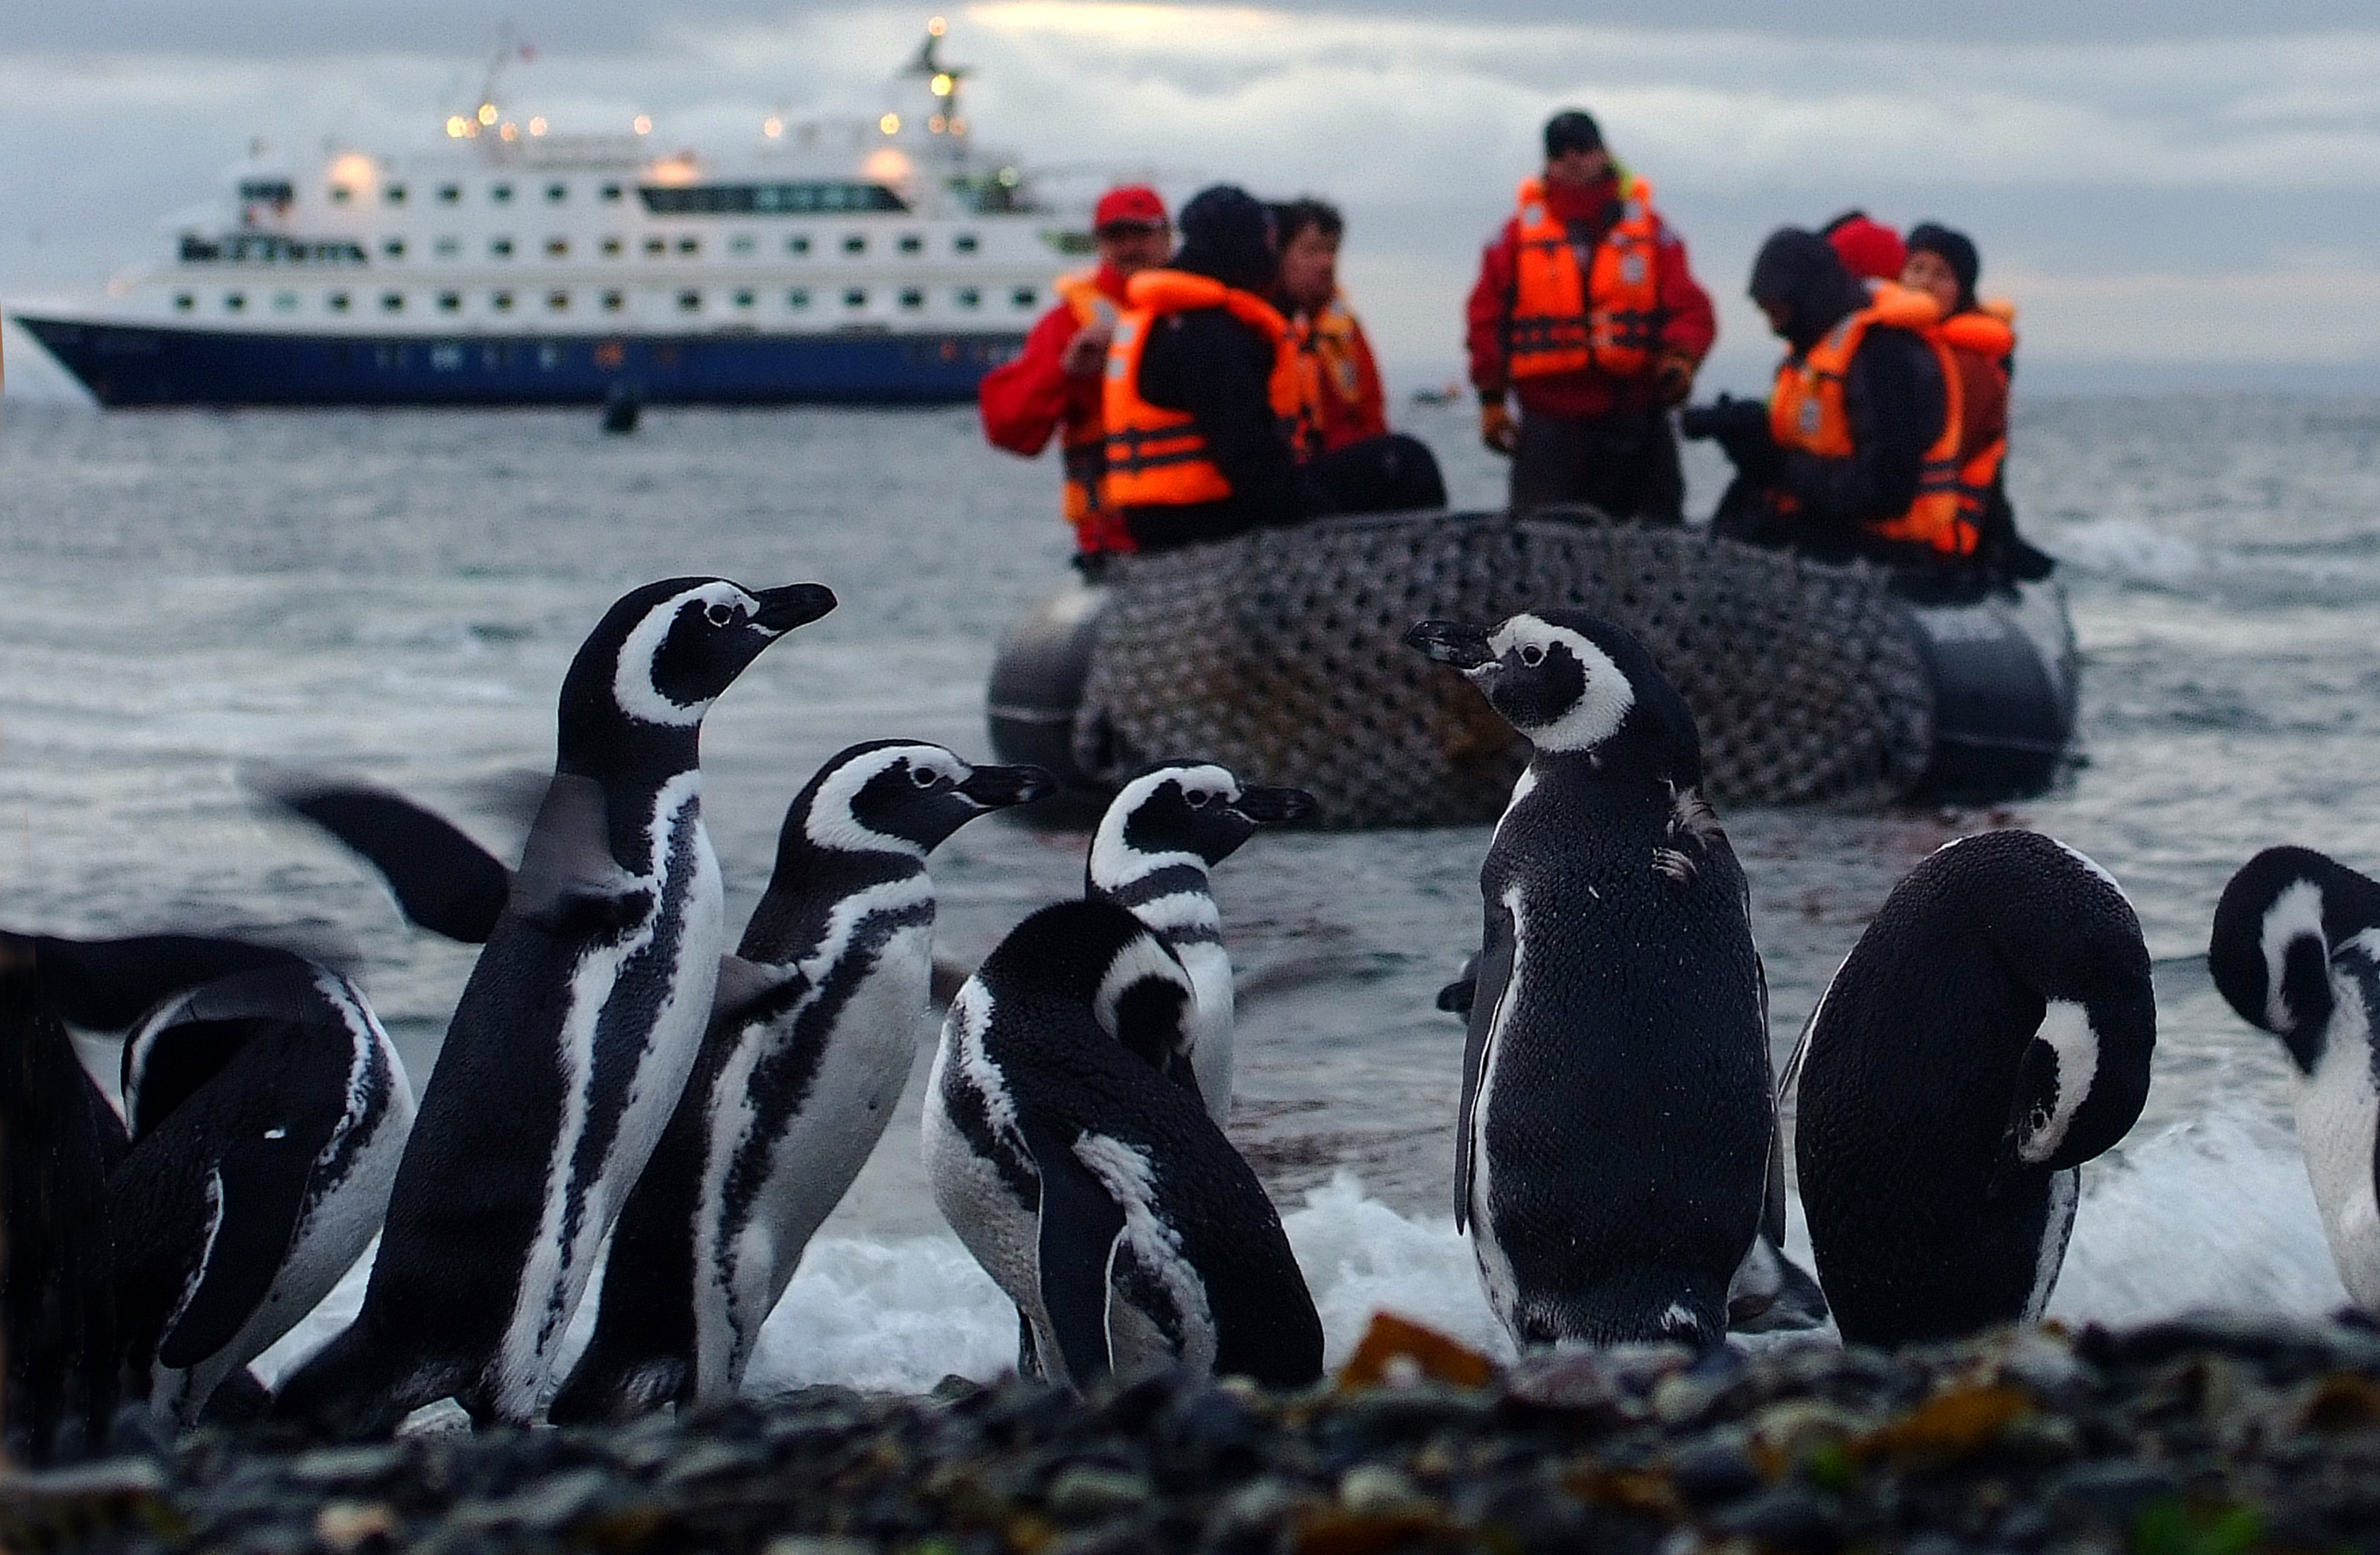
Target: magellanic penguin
(1161, 835)
(2296, 950)
(268, 1111)
(1990, 1032)
(574, 1036)
(1612, 1146)
(798, 1076)
(1096, 1191)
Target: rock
(1710, 1472)
(1788, 1517)
(2110, 1493)
(1084, 1493)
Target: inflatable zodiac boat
(1280, 654)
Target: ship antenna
(507, 45)
(940, 79)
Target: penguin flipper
(258, 1195)
(746, 988)
(1080, 1226)
(569, 884)
(442, 880)
(1491, 975)
(1457, 997)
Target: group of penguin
(616, 1087)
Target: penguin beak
(999, 787)
(1452, 642)
(795, 604)
(1273, 807)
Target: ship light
(938, 27)
(488, 113)
(886, 166)
(536, 127)
(937, 123)
(352, 171)
(644, 125)
(772, 127)
(457, 126)
(675, 170)
(890, 124)
(942, 84)
(511, 132)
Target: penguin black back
(1991, 1031)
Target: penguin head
(903, 796)
(1184, 808)
(1099, 957)
(2276, 925)
(662, 653)
(1577, 685)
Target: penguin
(268, 1110)
(1614, 1133)
(1155, 844)
(574, 1036)
(2295, 951)
(1990, 1032)
(794, 1085)
(1097, 1193)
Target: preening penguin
(804, 1061)
(1990, 1032)
(1159, 837)
(1612, 1146)
(574, 1036)
(2296, 950)
(1097, 1193)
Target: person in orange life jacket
(1055, 384)
(1869, 249)
(1945, 265)
(1896, 409)
(1586, 310)
(1343, 435)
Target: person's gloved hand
(1673, 375)
(1497, 427)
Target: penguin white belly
(2338, 1111)
(1209, 967)
(1002, 1234)
(812, 1164)
(562, 1254)
(1496, 1276)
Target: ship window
(970, 297)
(856, 297)
(501, 193)
(393, 249)
(395, 194)
(267, 191)
(912, 297)
(557, 248)
(911, 243)
(183, 302)
(731, 199)
(449, 246)
(797, 245)
(338, 301)
(392, 302)
(797, 297)
(689, 302)
(285, 302)
(1024, 297)
(854, 245)
(614, 302)
(612, 248)
(966, 243)
(656, 246)
(341, 194)
(742, 243)
(557, 302)
(450, 303)
(235, 301)
(556, 193)
(689, 245)
(610, 193)
(502, 301)
(744, 300)
(450, 194)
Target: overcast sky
(2192, 189)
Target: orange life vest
(1081, 438)
(1806, 411)
(1155, 456)
(1608, 317)
(1988, 332)
(1330, 363)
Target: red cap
(1869, 249)
(1133, 205)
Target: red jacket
(1689, 329)
(1024, 401)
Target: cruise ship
(873, 263)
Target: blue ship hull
(142, 365)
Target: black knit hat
(1572, 129)
(1227, 232)
(1953, 248)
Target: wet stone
(1711, 1473)
(1082, 1493)
(1788, 1517)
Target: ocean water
(394, 596)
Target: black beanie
(1802, 272)
(1572, 129)
(1953, 248)
(1227, 234)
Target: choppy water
(395, 596)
